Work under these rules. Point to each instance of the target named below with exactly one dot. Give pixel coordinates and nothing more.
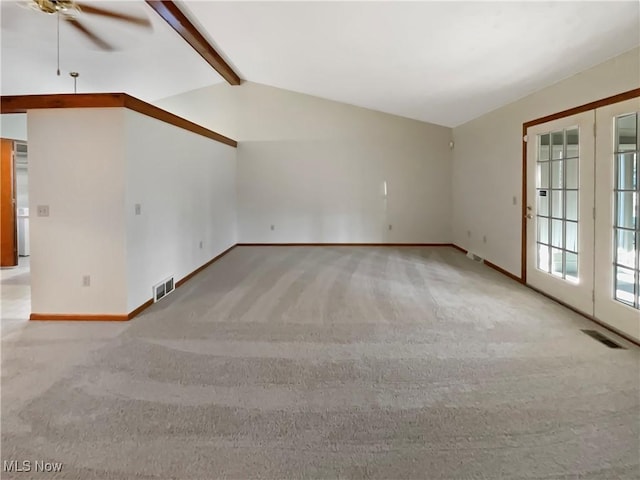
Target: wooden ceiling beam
(23, 103)
(170, 12)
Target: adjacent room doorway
(8, 204)
(15, 271)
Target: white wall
(314, 168)
(488, 155)
(14, 126)
(76, 167)
(185, 184)
(91, 181)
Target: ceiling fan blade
(90, 35)
(140, 21)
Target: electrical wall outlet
(469, 233)
(484, 239)
(86, 280)
(201, 243)
(515, 200)
(273, 227)
(43, 210)
(390, 227)
(138, 209)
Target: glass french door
(560, 201)
(583, 212)
(617, 170)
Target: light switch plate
(138, 209)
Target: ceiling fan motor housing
(55, 6)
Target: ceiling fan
(71, 10)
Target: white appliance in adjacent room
(23, 232)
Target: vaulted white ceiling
(442, 62)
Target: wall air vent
(163, 289)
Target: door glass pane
(556, 203)
(627, 133)
(626, 172)
(543, 258)
(543, 230)
(556, 233)
(543, 203)
(557, 174)
(572, 143)
(625, 285)
(543, 175)
(626, 209)
(571, 242)
(625, 248)
(557, 145)
(556, 262)
(571, 174)
(571, 260)
(543, 147)
(572, 205)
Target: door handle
(529, 216)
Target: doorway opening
(15, 274)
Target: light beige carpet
(336, 362)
